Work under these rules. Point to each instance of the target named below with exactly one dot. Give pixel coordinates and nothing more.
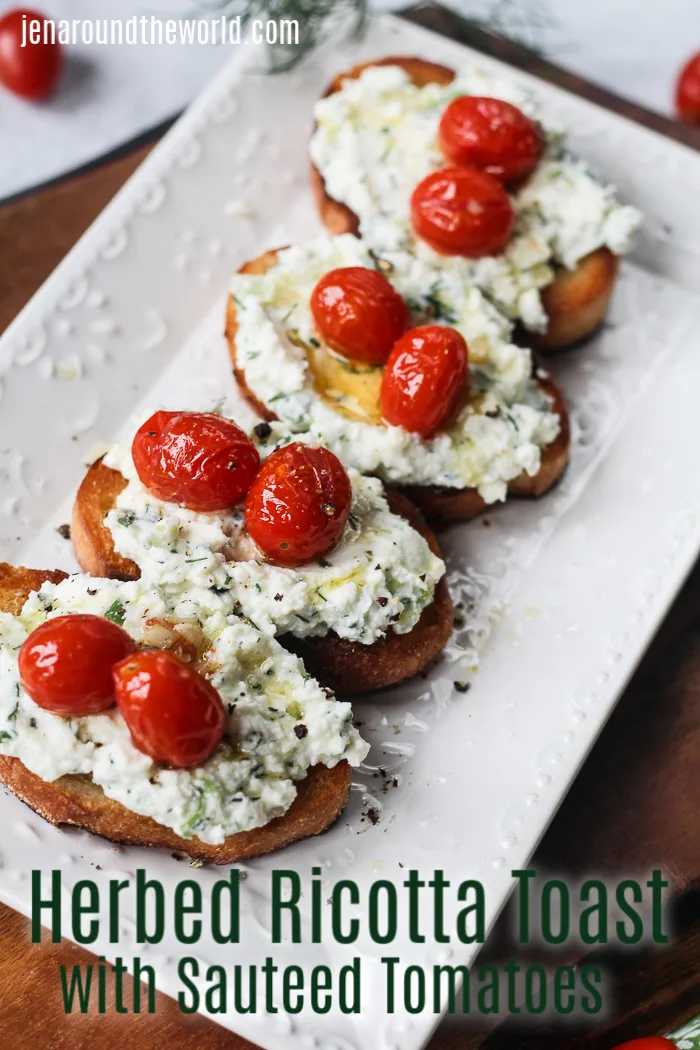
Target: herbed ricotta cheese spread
(375, 140)
(497, 435)
(280, 722)
(381, 575)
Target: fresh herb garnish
(116, 612)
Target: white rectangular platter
(580, 579)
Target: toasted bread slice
(575, 302)
(440, 505)
(73, 799)
(348, 667)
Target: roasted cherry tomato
(298, 504)
(688, 91)
(424, 378)
(491, 135)
(462, 211)
(650, 1042)
(359, 313)
(65, 664)
(31, 70)
(173, 713)
(196, 459)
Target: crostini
(367, 607)
(507, 432)
(396, 137)
(254, 753)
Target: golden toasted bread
(440, 505)
(76, 800)
(575, 302)
(348, 667)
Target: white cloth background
(110, 94)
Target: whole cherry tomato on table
(688, 91)
(359, 313)
(173, 713)
(491, 135)
(196, 459)
(424, 379)
(30, 71)
(462, 211)
(298, 504)
(65, 664)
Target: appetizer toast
(575, 301)
(440, 504)
(76, 800)
(344, 665)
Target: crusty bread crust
(92, 541)
(73, 799)
(440, 505)
(575, 302)
(348, 667)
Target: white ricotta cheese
(250, 778)
(496, 436)
(376, 139)
(381, 574)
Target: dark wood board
(632, 808)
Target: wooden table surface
(632, 808)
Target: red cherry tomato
(650, 1042)
(173, 713)
(196, 459)
(491, 135)
(462, 211)
(65, 664)
(688, 91)
(298, 504)
(31, 70)
(359, 313)
(424, 378)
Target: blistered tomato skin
(29, 71)
(198, 460)
(359, 314)
(298, 505)
(491, 135)
(688, 91)
(462, 211)
(65, 665)
(174, 714)
(425, 379)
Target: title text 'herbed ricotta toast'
(394, 138)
